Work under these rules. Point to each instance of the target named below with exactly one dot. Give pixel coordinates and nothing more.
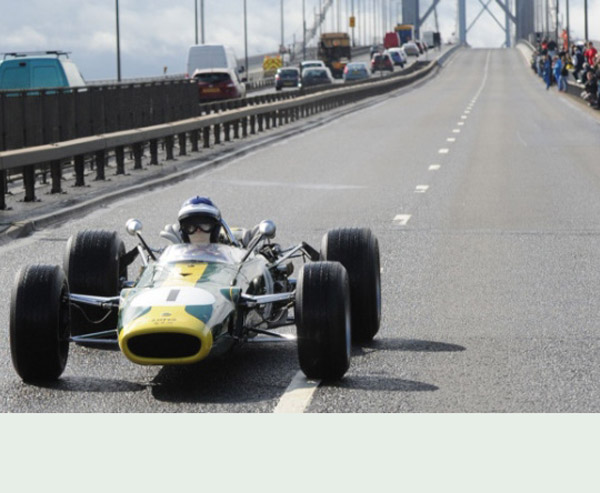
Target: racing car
(191, 302)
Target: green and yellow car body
(184, 307)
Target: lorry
(391, 40)
(406, 32)
(427, 38)
(335, 51)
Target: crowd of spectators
(581, 61)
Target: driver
(199, 221)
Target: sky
(155, 34)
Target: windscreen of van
(46, 76)
(73, 76)
(15, 77)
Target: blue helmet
(199, 213)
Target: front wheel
(93, 266)
(39, 323)
(357, 249)
(322, 314)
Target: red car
(381, 62)
(222, 83)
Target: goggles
(191, 228)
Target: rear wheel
(323, 320)
(93, 266)
(357, 249)
(39, 323)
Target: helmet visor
(190, 227)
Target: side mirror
(267, 229)
(133, 226)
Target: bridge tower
(522, 18)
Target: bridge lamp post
(118, 43)
(304, 29)
(246, 39)
(585, 19)
(201, 19)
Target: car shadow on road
(413, 345)
(376, 383)
(91, 384)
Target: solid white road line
(402, 219)
(298, 395)
(434, 167)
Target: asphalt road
(483, 189)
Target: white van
(211, 56)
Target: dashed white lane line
(456, 130)
(450, 139)
(466, 112)
(464, 117)
(298, 395)
(421, 188)
(434, 167)
(460, 123)
(443, 151)
(402, 219)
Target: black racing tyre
(39, 323)
(357, 249)
(93, 266)
(322, 315)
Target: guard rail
(216, 124)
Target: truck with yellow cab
(335, 51)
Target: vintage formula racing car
(192, 301)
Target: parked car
(398, 56)
(315, 76)
(356, 71)
(411, 49)
(287, 77)
(219, 83)
(311, 63)
(381, 61)
(30, 70)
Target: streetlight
(303, 30)
(196, 18)
(246, 39)
(585, 20)
(118, 43)
(282, 46)
(202, 19)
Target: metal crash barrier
(216, 122)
